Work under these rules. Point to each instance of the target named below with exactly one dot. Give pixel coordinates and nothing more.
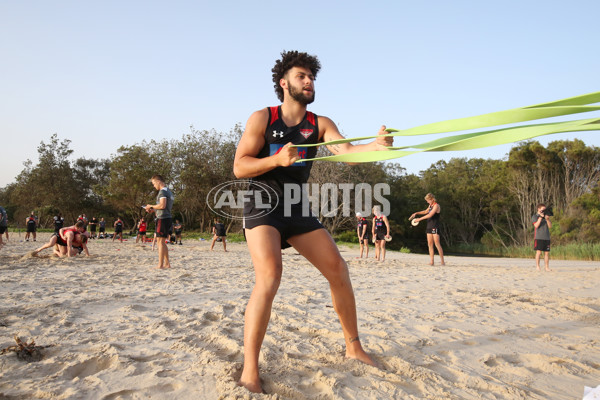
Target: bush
(346, 236)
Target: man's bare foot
(361, 356)
(443, 263)
(537, 268)
(431, 263)
(548, 269)
(252, 386)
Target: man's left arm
(387, 225)
(328, 131)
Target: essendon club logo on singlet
(306, 133)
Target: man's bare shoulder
(258, 116)
(257, 123)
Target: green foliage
(570, 251)
(347, 237)
(486, 204)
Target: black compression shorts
(288, 226)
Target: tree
(129, 185)
(49, 186)
(205, 160)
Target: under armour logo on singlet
(280, 134)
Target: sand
(488, 328)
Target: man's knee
(337, 271)
(268, 284)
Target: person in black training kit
(264, 154)
(31, 224)
(219, 233)
(118, 225)
(59, 222)
(542, 224)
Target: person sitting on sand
(64, 238)
(178, 228)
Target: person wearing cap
(362, 230)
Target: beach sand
(489, 328)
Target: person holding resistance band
(266, 155)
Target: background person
(380, 230)
(218, 231)
(541, 243)
(63, 240)
(3, 225)
(93, 225)
(178, 228)
(164, 221)
(59, 222)
(31, 224)
(118, 225)
(432, 215)
(142, 227)
(362, 230)
(102, 229)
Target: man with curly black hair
(265, 154)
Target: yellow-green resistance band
(475, 140)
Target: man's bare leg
(264, 244)
(438, 245)
(382, 251)
(430, 246)
(547, 260)
(163, 254)
(224, 244)
(50, 243)
(538, 253)
(326, 257)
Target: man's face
(541, 210)
(156, 184)
(300, 84)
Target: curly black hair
(289, 60)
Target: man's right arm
(538, 221)
(246, 164)
(70, 236)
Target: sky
(106, 74)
